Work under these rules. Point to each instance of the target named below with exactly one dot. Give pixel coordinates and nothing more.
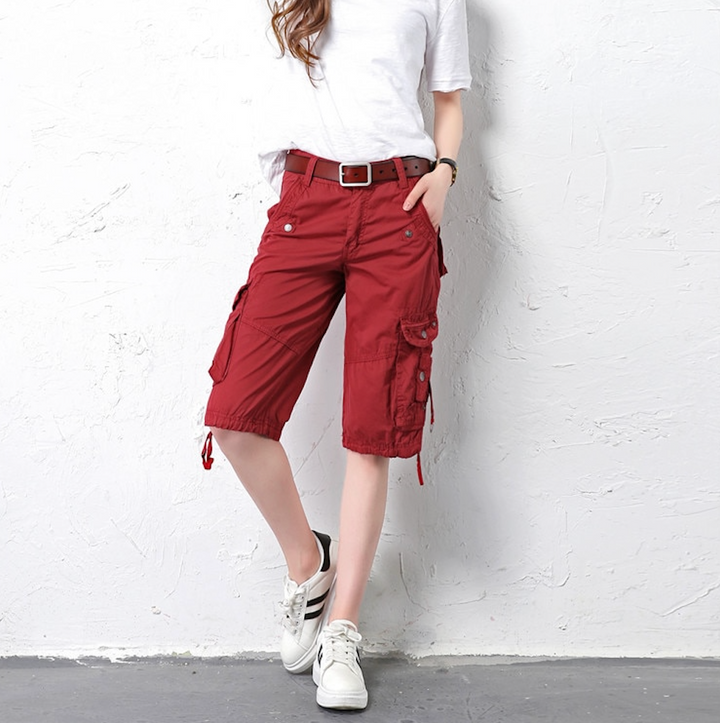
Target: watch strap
(453, 164)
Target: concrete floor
(449, 690)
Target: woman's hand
(431, 190)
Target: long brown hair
(297, 24)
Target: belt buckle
(354, 184)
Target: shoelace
(292, 606)
(341, 645)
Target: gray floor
(435, 691)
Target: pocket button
(422, 376)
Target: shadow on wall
(449, 528)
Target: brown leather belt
(358, 174)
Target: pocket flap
(239, 296)
(219, 367)
(420, 333)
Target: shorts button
(408, 233)
(422, 376)
(288, 227)
(434, 324)
(423, 334)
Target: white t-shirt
(364, 104)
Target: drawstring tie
(207, 452)
(432, 406)
(421, 480)
(419, 471)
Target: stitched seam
(268, 333)
(377, 357)
(243, 423)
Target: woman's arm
(448, 129)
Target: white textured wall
(572, 504)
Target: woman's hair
(297, 25)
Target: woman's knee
(230, 440)
(368, 461)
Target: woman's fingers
(432, 189)
(414, 195)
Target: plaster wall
(572, 496)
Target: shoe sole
(358, 701)
(339, 701)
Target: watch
(452, 164)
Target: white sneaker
(336, 671)
(305, 609)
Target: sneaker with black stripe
(337, 671)
(305, 609)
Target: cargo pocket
(412, 371)
(221, 361)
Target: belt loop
(400, 168)
(308, 176)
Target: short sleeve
(447, 65)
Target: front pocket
(425, 217)
(221, 361)
(292, 185)
(413, 365)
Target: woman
(361, 200)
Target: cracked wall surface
(572, 496)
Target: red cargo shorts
(324, 240)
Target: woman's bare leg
(362, 513)
(263, 468)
